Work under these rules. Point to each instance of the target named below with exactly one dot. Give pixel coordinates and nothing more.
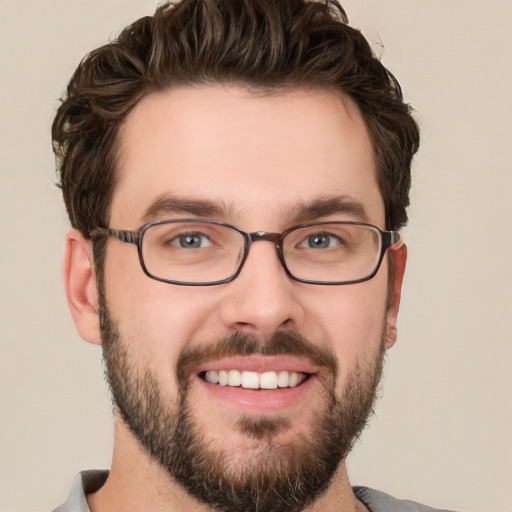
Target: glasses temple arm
(123, 235)
(392, 239)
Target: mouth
(268, 380)
(256, 384)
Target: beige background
(443, 430)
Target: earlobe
(399, 256)
(80, 285)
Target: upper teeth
(254, 380)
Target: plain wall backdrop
(442, 433)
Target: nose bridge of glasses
(263, 235)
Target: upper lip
(260, 364)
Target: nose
(262, 299)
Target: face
(262, 163)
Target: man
(235, 173)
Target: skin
(256, 157)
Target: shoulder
(378, 501)
(84, 483)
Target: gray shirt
(87, 482)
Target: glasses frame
(388, 239)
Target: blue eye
(191, 240)
(321, 241)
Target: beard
(273, 476)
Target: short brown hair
(268, 45)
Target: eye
(321, 241)
(191, 240)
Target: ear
(399, 256)
(80, 285)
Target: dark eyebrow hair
(167, 204)
(327, 206)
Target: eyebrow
(167, 204)
(328, 206)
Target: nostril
(287, 323)
(245, 327)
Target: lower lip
(259, 401)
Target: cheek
(351, 320)
(139, 307)
(159, 319)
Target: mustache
(288, 343)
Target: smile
(257, 384)
(254, 380)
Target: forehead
(256, 156)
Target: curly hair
(266, 45)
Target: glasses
(209, 252)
